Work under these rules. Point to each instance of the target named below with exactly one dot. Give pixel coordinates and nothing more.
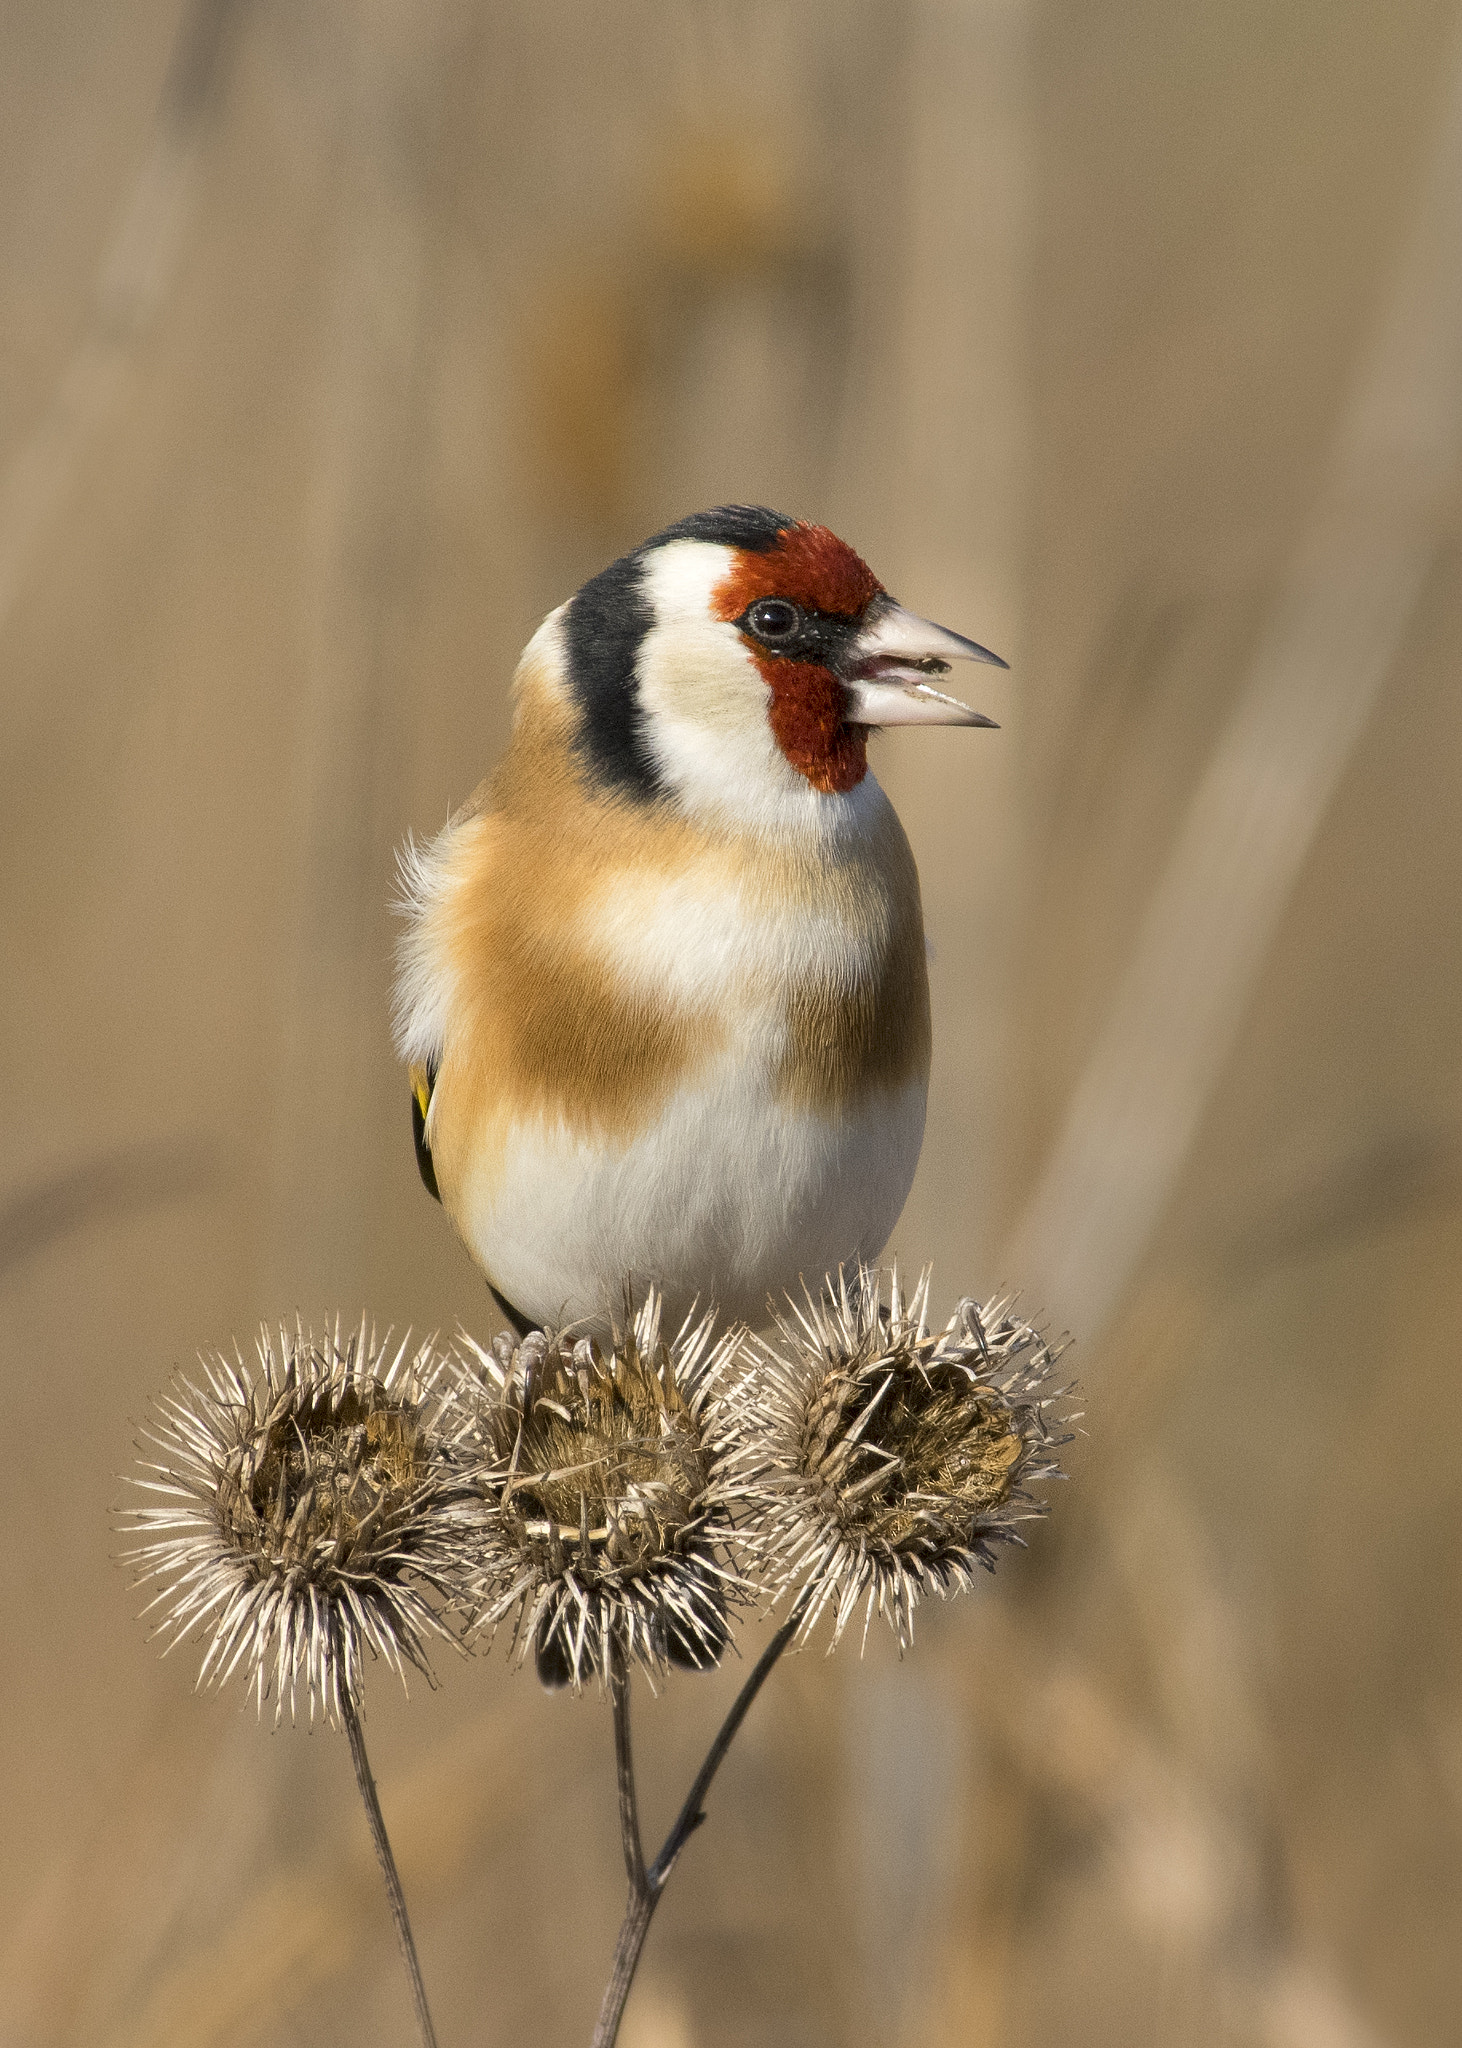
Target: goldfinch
(662, 987)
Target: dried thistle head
(611, 1480)
(305, 1512)
(898, 1458)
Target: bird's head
(735, 663)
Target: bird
(662, 987)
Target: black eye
(773, 618)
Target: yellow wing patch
(423, 1080)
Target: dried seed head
(897, 1458)
(612, 1479)
(305, 1512)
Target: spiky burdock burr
(897, 1458)
(302, 1515)
(611, 1479)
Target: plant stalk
(394, 1893)
(647, 1882)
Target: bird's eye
(773, 618)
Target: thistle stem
(647, 1882)
(387, 1861)
(624, 1763)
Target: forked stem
(387, 1861)
(647, 1882)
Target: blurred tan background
(339, 342)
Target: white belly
(730, 1195)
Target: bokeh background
(340, 341)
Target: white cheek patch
(705, 702)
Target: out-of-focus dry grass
(336, 345)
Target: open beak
(894, 657)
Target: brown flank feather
(541, 1027)
(848, 1039)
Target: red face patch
(809, 565)
(813, 568)
(806, 715)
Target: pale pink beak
(894, 656)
